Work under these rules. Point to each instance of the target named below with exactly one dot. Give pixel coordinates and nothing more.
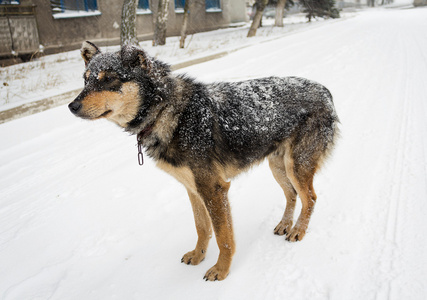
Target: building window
(179, 6)
(213, 5)
(143, 7)
(9, 2)
(74, 8)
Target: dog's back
(244, 122)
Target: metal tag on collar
(140, 155)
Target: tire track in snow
(395, 195)
(397, 210)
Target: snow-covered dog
(205, 134)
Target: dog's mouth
(105, 114)
(92, 117)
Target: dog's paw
(296, 234)
(216, 273)
(193, 257)
(283, 228)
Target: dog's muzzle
(75, 106)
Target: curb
(36, 106)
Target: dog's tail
(314, 143)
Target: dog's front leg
(204, 230)
(214, 192)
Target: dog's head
(116, 84)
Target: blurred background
(31, 28)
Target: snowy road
(79, 219)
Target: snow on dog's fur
(205, 134)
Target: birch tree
(370, 3)
(280, 8)
(260, 6)
(160, 23)
(185, 23)
(128, 23)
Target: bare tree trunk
(185, 23)
(160, 24)
(260, 5)
(280, 8)
(128, 23)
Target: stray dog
(205, 134)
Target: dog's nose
(75, 106)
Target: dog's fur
(205, 134)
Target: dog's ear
(133, 57)
(88, 51)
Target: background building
(28, 26)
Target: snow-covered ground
(79, 219)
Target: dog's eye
(109, 79)
(111, 82)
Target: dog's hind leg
(277, 166)
(301, 178)
(204, 231)
(214, 190)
